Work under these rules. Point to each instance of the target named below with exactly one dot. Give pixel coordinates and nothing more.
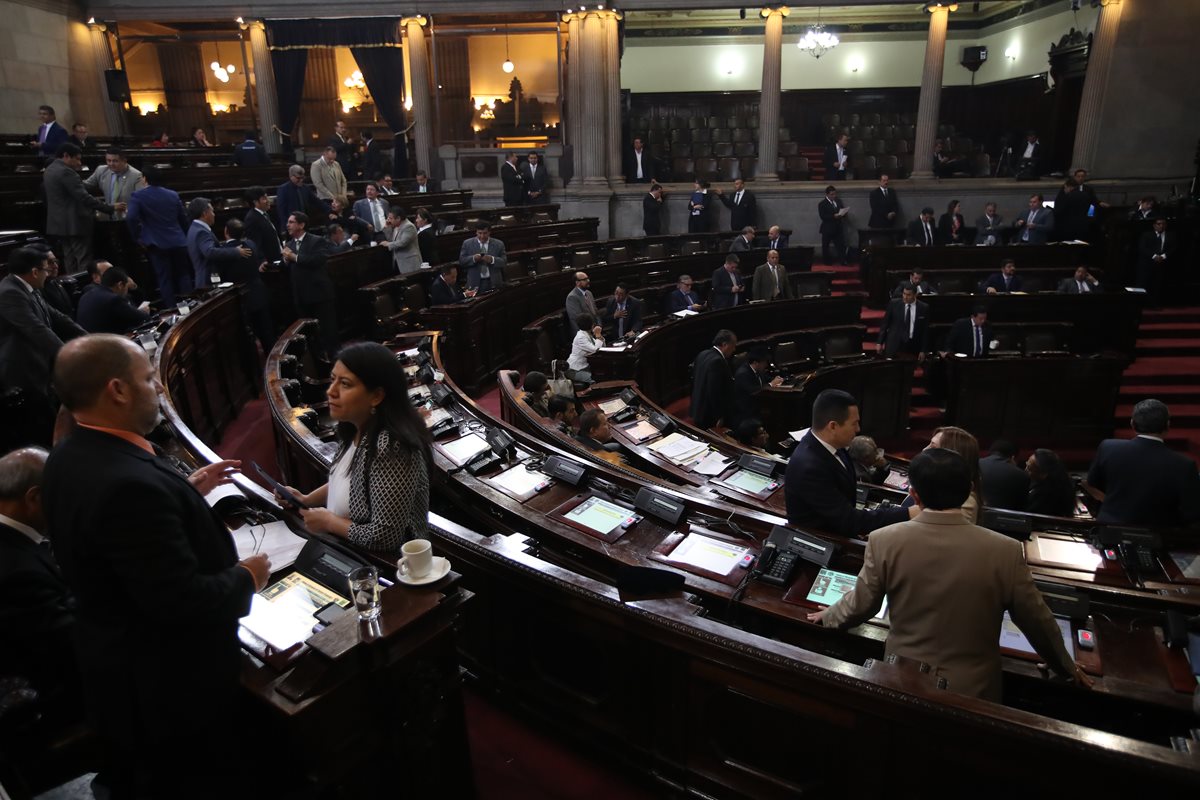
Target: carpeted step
(1168, 347)
(1149, 370)
(1183, 415)
(1180, 328)
(1169, 394)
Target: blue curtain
(289, 66)
(383, 72)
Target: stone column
(768, 105)
(612, 95)
(264, 86)
(422, 103)
(591, 105)
(574, 99)
(931, 93)
(114, 112)
(1095, 81)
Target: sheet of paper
(1189, 565)
(749, 481)
(275, 539)
(640, 431)
(681, 449)
(460, 451)
(687, 312)
(711, 555)
(610, 407)
(798, 435)
(831, 585)
(436, 416)
(517, 480)
(1079, 555)
(599, 515)
(410, 353)
(712, 464)
(221, 492)
(614, 348)
(1011, 637)
(896, 480)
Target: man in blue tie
(50, 134)
(970, 336)
(623, 314)
(684, 298)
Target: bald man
(154, 571)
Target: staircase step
(1183, 415)
(1158, 327)
(1168, 347)
(1168, 393)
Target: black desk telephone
(785, 548)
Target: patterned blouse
(389, 494)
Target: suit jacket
(250, 154)
(69, 207)
(740, 245)
(763, 284)
(1148, 247)
(916, 234)
(1005, 485)
(204, 253)
(31, 333)
(116, 188)
(633, 322)
(1053, 495)
(55, 135)
(893, 333)
(1071, 214)
(820, 491)
(514, 184)
(746, 384)
(1145, 483)
(290, 198)
(881, 206)
(345, 150)
(444, 294)
(402, 241)
(1039, 231)
(722, 284)
(363, 211)
(104, 311)
(470, 248)
(924, 287)
(371, 160)
(427, 244)
(1071, 286)
(743, 213)
(156, 218)
(651, 215)
(961, 338)
(261, 231)
(244, 271)
(535, 182)
(831, 225)
(37, 612)
(945, 228)
(996, 281)
(948, 584)
(832, 171)
(57, 296)
(649, 169)
(712, 389)
(158, 588)
(328, 179)
(580, 302)
(678, 301)
(780, 243)
(985, 228)
(310, 280)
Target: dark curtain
(383, 72)
(361, 32)
(290, 66)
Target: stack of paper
(679, 449)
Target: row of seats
(870, 118)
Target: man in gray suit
(202, 245)
(1035, 226)
(770, 281)
(988, 230)
(580, 300)
(116, 180)
(483, 258)
(744, 242)
(69, 208)
(948, 584)
(400, 237)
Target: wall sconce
(729, 64)
(1011, 52)
(856, 64)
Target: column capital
(419, 19)
(600, 13)
(768, 11)
(252, 24)
(933, 6)
(95, 25)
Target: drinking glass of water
(364, 588)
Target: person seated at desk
(916, 277)
(588, 339)
(623, 314)
(870, 465)
(751, 433)
(107, 309)
(1146, 209)
(970, 336)
(743, 242)
(563, 413)
(1081, 283)
(426, 236)
(776, 239)
(444, 291)
(820, 480)
(684, 298)
(53, 292)
(922, 232)
(595, 435)
(712, 382)
(537, 392)
(948, 584)
(945, 165)
(483, 258)
(337, 239)
(1005, 281)
(1051, 490)
(748, 381)
(1003, 483)
(950, 225)
(1141, 481)
(378, 490)
(357, 231)
(989, 228)
(961, 441)
(770, 280)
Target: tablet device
(279, 488)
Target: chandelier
(817, 41)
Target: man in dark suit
(1073, 210)
(744, 241)
(1005, 281)
(820, 480)
(727, 285)
(444, 291)
(623, 314)
(1156, 254)
(916, 279)
(342, 147)
(31, 334)
(970, 336)
(426, 234)
(1035, 226)
(107, 309)
(1028, 163)
(639, 165)
(79, 137)
(748, 381)
(712, 382)
(258, 226)
(922, 232)
(157, 222)
(423, 184)
(512, 181)
(206, 257)
(155, 575)
(246, 271)
(836, 155)
(684, 298)
(483, 258)
(885, 206)
(372, 156)
(50, 134)
(776, 239)
(312, 290)
(1141, 481)
(70, 210)
(536, 179)
(294, 195)
(1082, 282)
(742, 205)
(53, 292)
(989, 228)
(250, 153)
(1005, 485)
(905, 326)
(832, 211)
(652, 203)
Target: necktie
(978, 341)
(737, 199)
(908, 321)
(775, 272)
(1028, 222)
(296, 246)
(620, 322)
(1161, 243)
(638, 157)
(734, 279)
(1082, 287)
(532, 171)
(377, 208)
(884, 192)
(928, 236)
(1006, 282)
(41, 306)
(844, 459)
(484, 272)
(115, 189)
(42, 131)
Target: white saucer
(441, 568)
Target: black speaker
(117, 83)
(973, 57)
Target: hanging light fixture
(817, 41)
(508, 65)
(221, 73)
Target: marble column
(422, 102)
(931, 93)
(574, 99)
(1095, 82)
(114, 112)
(768, 105)
(264, 86)
(591, 105)
(612, 95)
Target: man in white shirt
(372, 210)
(639, 165)
(836, 155)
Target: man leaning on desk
(948, 584)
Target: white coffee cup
(418, 559)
